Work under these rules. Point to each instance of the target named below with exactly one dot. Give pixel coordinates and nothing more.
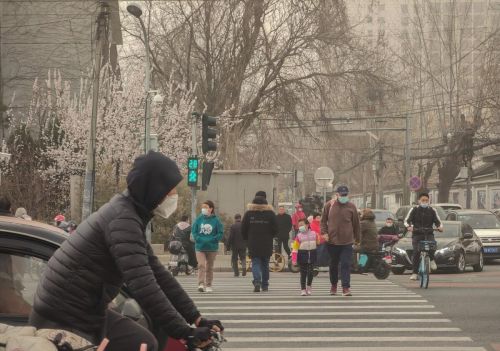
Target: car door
(22, 263)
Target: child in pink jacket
(304, 254)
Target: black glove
(200, 334)
(210, 323)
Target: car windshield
(450, 231)
(480, 221)
(382, 215)
(441, 213)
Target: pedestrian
(369, 237)
(110, 250)
(305, 244)
(389, 233)
(420, 221)
(207, 232)
(316, 223)
(23, 214)
(238, 247)
(297, 215)
(340, 220)
(5, 206)
(284, 221)
(182, 232)
(259, 227)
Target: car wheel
(460, 265)
(398, 270)
(480, 265)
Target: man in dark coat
(284, 221)
(109, 249)
(238, 246)
(259, 227)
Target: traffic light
(193, 165)
(208, 135)
(206, 174)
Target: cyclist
(422, 216)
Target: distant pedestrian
(5, 206)
(340, 220)
(305, 244)
(315, 224)
(238, 247)
(297, 215)
(182, 232)
(389, 232)
(284, 221)
(23, 214)
(259, 227)
(207, 232)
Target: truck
(233, 190)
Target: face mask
(167, 207)
(204, 211)
(388, 224)
(302, 228)
(344, 199)
(424, 204)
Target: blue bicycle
(424, 267)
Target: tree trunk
(447, 171)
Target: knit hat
(261, 193)
(259, 200)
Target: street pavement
(382, 315)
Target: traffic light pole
(194, 152)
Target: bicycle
(424, 267)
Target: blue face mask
(424, 205)
(344, 199)
(302, 229)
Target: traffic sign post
(323, 177)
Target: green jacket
(207, 232)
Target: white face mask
(204, 211)
(167, 207)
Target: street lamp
(136, 11)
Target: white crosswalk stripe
(379, 316)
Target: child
(304, 247)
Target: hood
(258, 207)
(405, 243)
(151, 178)
(487, 232)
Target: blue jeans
(260, 271)
(340, 254)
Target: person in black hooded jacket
(110, 249)
(258, 228)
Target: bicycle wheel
(277, 262)
(426, 267)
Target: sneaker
(434, 266)
(256, 288)
(303, 292)
(201, 288)
(265, 289)
(309, 290)
(244, 273)
(333, 290)
(236, 275)
(414, 276)
(209, 289)
(346, 292)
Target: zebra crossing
(379, 316)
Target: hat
(343, 190)
(261, 193)
(259, 200)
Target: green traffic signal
(193, 164)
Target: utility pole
(380, 175)
(89, 185)
(407, 170)
(469, 154)
(194, 152)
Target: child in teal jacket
(207, 231)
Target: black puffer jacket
(108, 250)
(259, 227)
